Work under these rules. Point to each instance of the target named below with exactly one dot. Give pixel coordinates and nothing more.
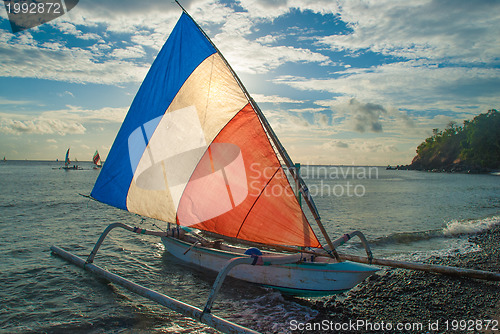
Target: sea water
(404, 214)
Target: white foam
(460, 227)
(271, 313)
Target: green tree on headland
(474, 145)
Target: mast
(279, 147)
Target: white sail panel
(209, 98)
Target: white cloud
(411, 85)
(247, 56)
(311, 110)
(135, 51)
(70, 29)
(273, 8)
(144, 24)
(40, 125)
(61, 122)
(4, 101)
(68, 93)
(75, 64)
(274, 99)
(449, 31)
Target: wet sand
(404, 301)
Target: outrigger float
(196, 151)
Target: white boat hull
(303, 278)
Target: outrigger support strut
(346, 237)
(137, 230)
(265, 260)
(191, 311)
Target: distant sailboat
(96, 159)
(67, 163)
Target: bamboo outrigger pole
(207, 318)
(281, 150)
(432, 268)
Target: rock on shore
(402, 296)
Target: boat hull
(299, 279)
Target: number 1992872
(33, 8)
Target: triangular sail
(193, 151)
(67, 162)
(96, 158)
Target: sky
(354, 82)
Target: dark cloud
(341, 144)
(366, 116)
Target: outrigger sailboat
(67, 163)
(196, 151)
(96, 159)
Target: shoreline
(460, 169)
(437, 302)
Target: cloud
(366, 116)
(135, 51)
(322, 120)
(247, 56)
(411, 85)
(73, 120)
(68, 93)
(4, 101)
(124, 16)
(261, 98)
(82, 115)
(360, 116)
(304, 110)
(40, 126)
(122, 29)
(341, 144)
(70, 29)
(373, 147)
(273, 8)
(449, 31)
(64, 64)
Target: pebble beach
(404, 301)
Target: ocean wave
(407, 237)
(461, 227)
(454, 228)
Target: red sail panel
(240, 190)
